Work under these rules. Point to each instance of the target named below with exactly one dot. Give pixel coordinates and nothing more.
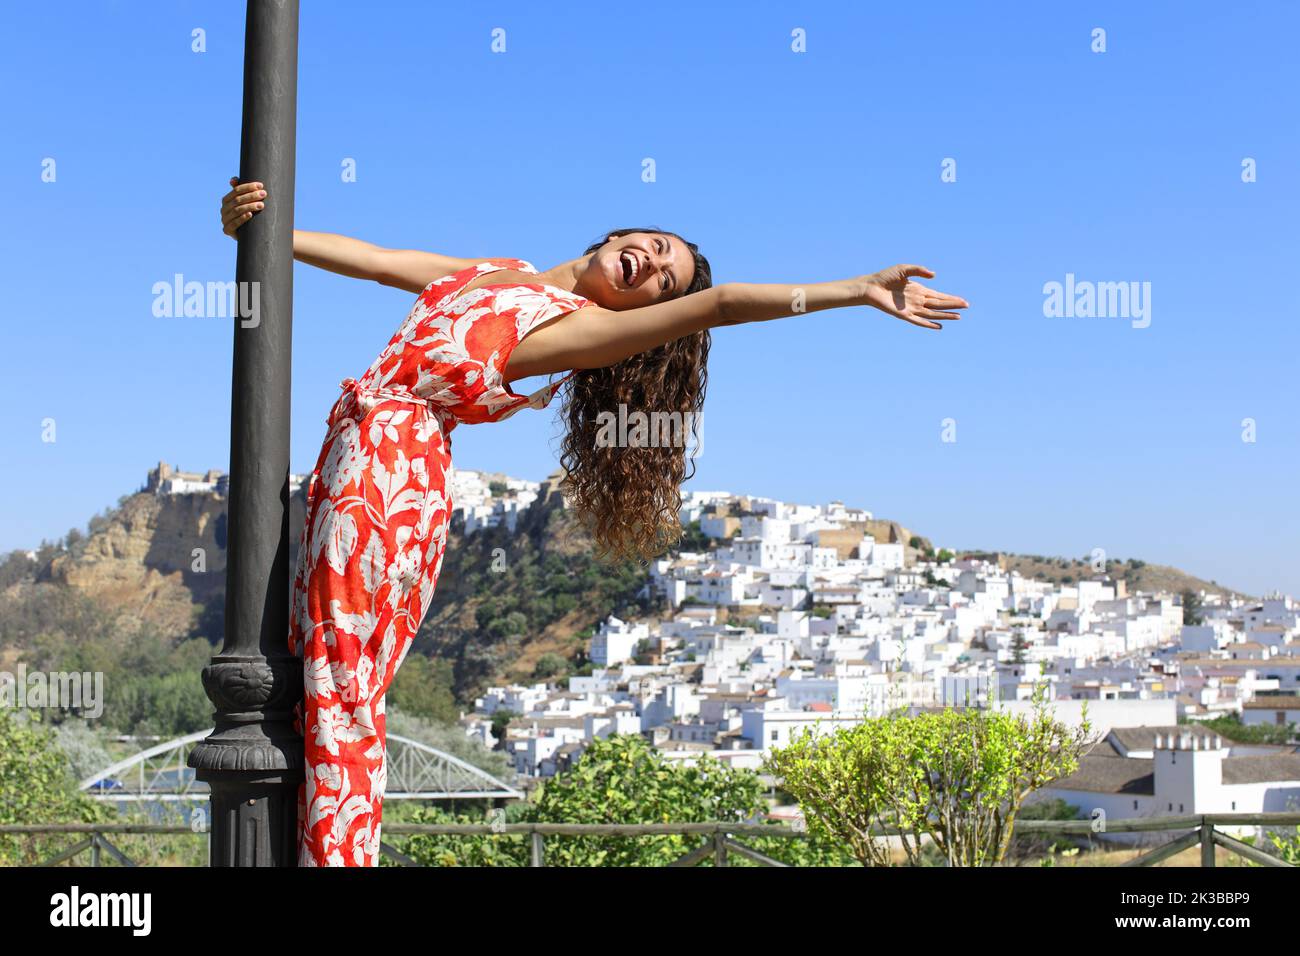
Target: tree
(1286, 847)
(500, 718)
(957, 777)
(98, 522)
(622, 779)
(1231, 727)
(1192, 608)
(550, 665)
(1018, 645)
(82, 748)
(15, 567)
(693, 539)
(152, 685)
(513, 623)
(422, 688)
(36, 786)
(451, 850)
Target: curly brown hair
(628, 496)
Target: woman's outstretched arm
(408, 269)
(593, 337)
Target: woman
(627, 322)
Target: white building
(616, 642)
(772, 724)
(1179, 771)
(1276, 710)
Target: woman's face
(636, 270)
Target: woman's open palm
(891, 290)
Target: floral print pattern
(376, 530)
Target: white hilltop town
(482, 499)
(837, 626)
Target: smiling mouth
(631, 268)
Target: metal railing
(722, 839)
(1204, 827)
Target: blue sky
(1072, 433)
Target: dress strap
(488, 266)
(451, 286)
(541, 397)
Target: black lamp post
(253, 761)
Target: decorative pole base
(252, 761)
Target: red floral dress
(377, 514)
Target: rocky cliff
(159, 559)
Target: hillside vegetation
(1136, 574)
(522, 605)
